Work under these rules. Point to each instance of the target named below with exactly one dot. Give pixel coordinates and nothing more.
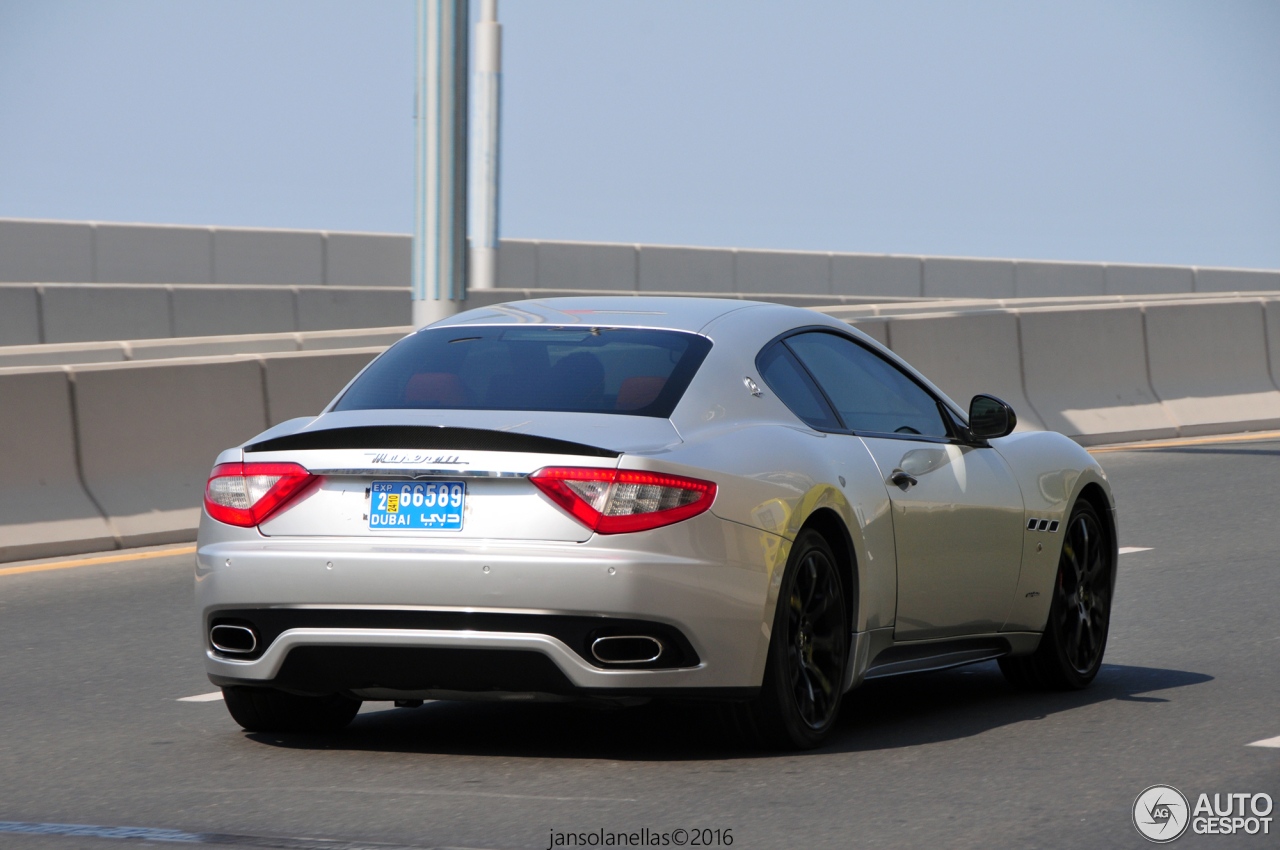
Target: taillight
(245, 494)
(611, 501)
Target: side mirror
(989, 417)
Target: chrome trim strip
(252, 635)
(601, 640)
(392, 472)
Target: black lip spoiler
(425, 437)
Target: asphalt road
(93, 660)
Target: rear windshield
(585, 370)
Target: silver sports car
(621, 498)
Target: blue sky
(1121, 131)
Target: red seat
(639, 391)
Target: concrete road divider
(89, 312)
(221, 310)
(1271, 313)
(961, 277)
(1236, 280)
(324, 308)
(802, 272)
(96, 456)
(876, 274)
(70, 353)
(874, 327)
(1034, 279)
(302, 384)
(1085, 370)
(150, 431)
(664, 269)
(19, 315)
(367, 259)
(272, 257)
(128, 253)
(1209, 365)
(966, 354)
(44, 510)
(356, 338)
(46, 250)
(59, 354)
(1141, 280)
(576, 265)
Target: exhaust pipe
(238, 640)
(627, 649)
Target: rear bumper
(713, 595)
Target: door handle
(902, 479)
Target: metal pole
(440, 158)
(485, 148)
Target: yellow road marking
(1198, 441)
(86, 562)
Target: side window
(868, 392)
(779, 369)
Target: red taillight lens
(612, 501)
(245, 494)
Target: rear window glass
(629, 371)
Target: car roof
(669, 312)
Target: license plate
(417, 505)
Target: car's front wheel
(808, 649)
(1075, 636)
(270, 710)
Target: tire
(1075, 635)
(269, 710)
(800, 696)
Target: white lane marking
(202, 697)
(416, 792)
(1129, 550)
(1266, 742)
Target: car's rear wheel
(800, 697)
(1075, 636)
(270, 710)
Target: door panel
(959, 536)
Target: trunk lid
(477, 461)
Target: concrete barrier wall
(46, 250)
(100, 252)
(367, 259)
(1210, 366)
(1085, 370)
(204, 346)
(116, 453)
(63, 312)
(19, 315)
(967, 354)
(124, 253)
(302, 384)
(149, 433)
(44, 509)
(100, 456)
(141, 253)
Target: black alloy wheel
(1082, 595)
(808, 650)
(816, 641)
(1075, 636)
